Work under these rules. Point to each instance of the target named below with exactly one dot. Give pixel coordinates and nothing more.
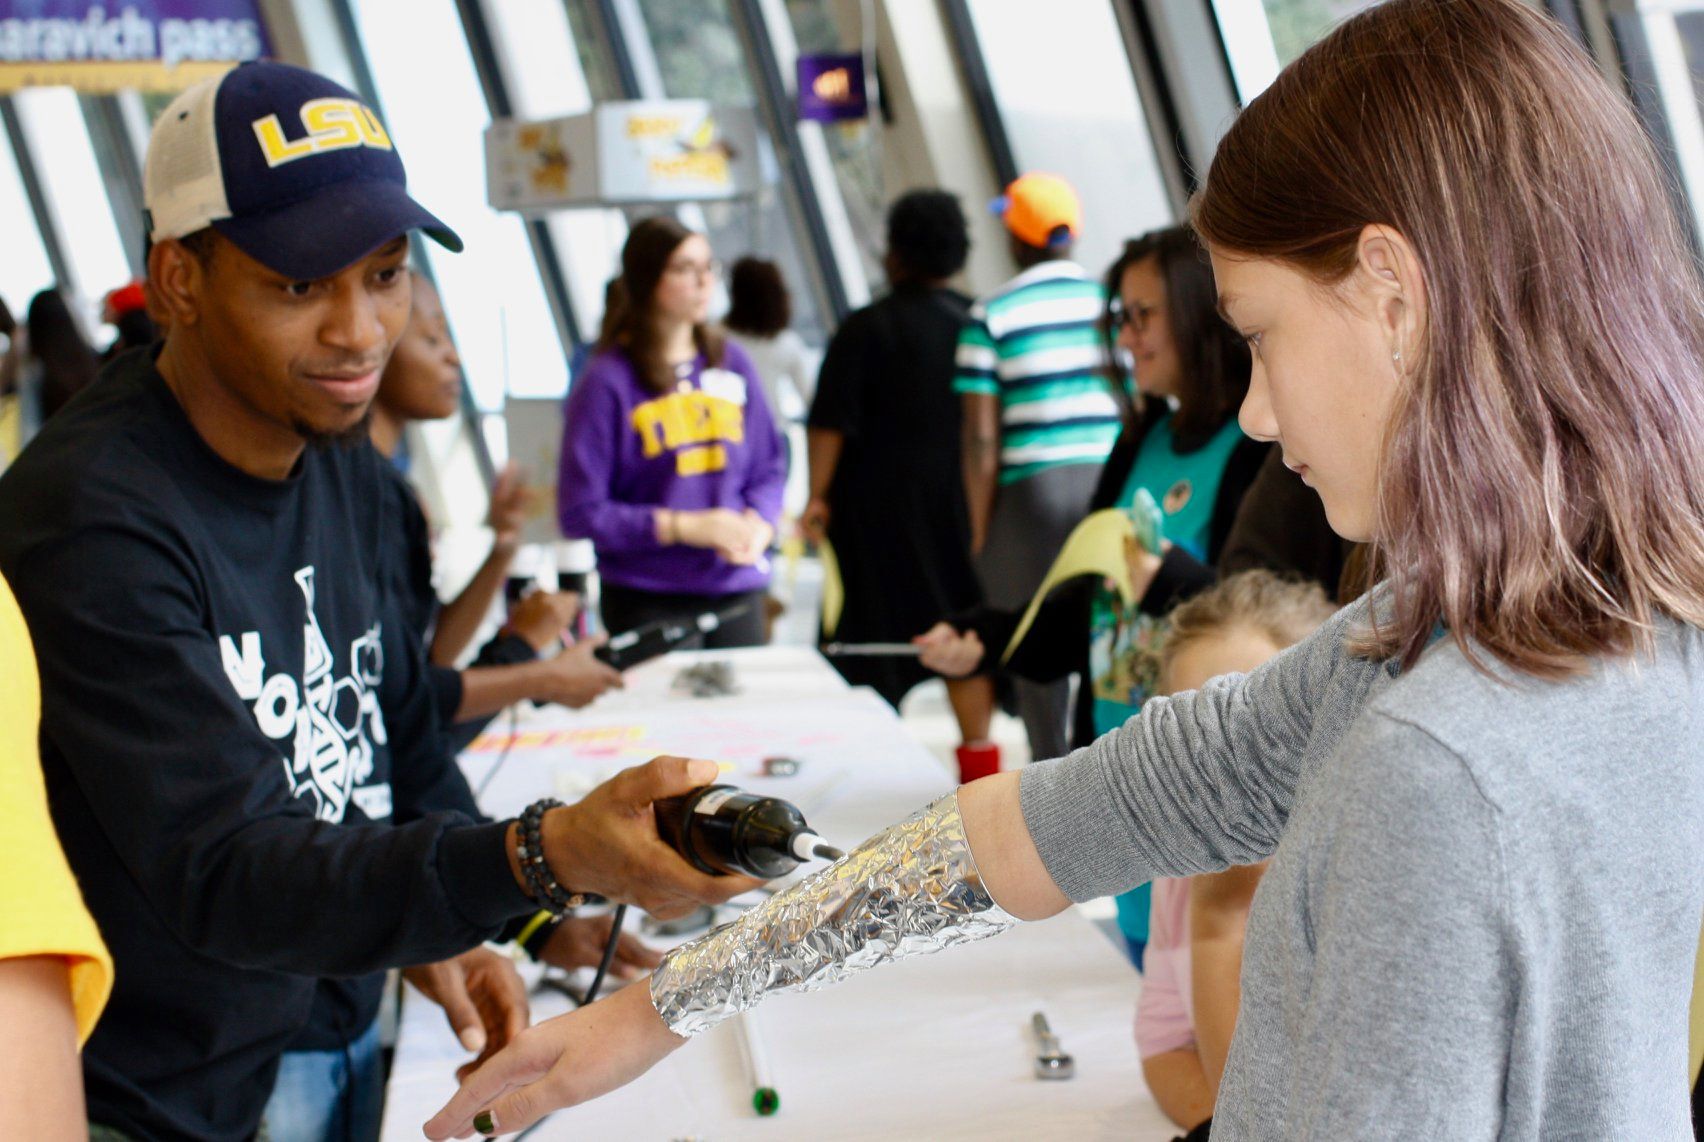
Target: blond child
(1188, 1005)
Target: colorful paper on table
(1096, 547)
(833, 589)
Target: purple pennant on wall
(831, 87)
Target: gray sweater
(1483, 905)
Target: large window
(435, 109)
(1298, 24)
(58, 141)
(1068, 103)
(854, 148)
(24, 268)
(1262, 36)
(698, 55)
(1675, 42)
(597, 69)
(553, 66)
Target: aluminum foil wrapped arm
(912, 889)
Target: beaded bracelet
(529, 850)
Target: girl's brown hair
(1282, 611)
(634, 327)
(1540, 491)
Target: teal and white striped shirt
(1034, 344)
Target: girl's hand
(757, 540)
(560, 1062)
(948, 652)
(724, 531)
(813, 521)
(511, 502)
(1144, 565)
(579, 942)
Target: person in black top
(423, 381)
(330, 1085)
(886, 485)
(196, 543)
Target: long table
(936, 1047)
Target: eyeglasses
(710, 269)
(1136, 316)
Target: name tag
(724, 384)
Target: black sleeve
(407, 556)
(1243, 468)
(1119, 461)
(1180, 576)
(194, 800)
(445, 683)
(1281, 526)
(425, 777)
(1056, 644)
(503, 650)
(838, 405)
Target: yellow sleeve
(38, 896)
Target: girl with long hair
(1478, 335)
(1188, 1004)
(671, 464)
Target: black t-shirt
(886, 386)
(211, 648)
(344, 1007)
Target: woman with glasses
(671, 464)
(1182, 446)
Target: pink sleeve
(1163, 1020)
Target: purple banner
(149, 44)
(831, 87)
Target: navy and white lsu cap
(291, 167)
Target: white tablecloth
(933, 1048)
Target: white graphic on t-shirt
(332, 730)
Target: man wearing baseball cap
(1038, 418)
(196, 544)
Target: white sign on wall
(673, 150)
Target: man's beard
(321, 439)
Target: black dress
(897, 514)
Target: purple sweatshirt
(627, 451)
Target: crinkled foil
(909, 890)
